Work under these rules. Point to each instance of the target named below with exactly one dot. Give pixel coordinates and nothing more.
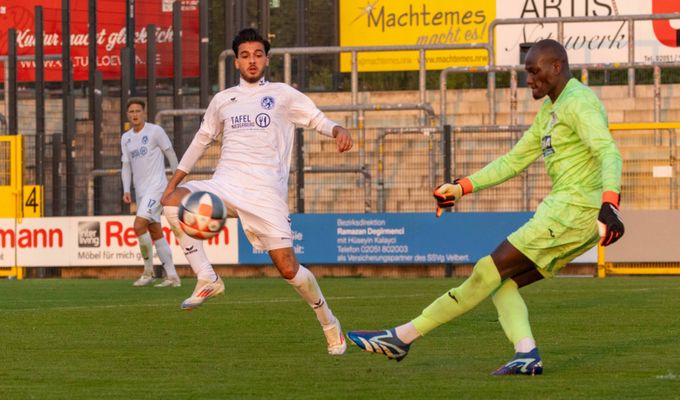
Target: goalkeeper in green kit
(571, 133)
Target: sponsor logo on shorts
(89, 234)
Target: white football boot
(204, 290)
(335, 339)
(144, 280)
(172, 281)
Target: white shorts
(149, 207)
(266, 223)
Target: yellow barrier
(605, 268)
(11, 188)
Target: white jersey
(257, 124)
(144, 151)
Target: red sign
(111, 35)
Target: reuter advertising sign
(95, 241)
(111, 35)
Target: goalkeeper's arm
(446, 194)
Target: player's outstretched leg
(307, 287)
(209, 283)
(382, 342)
(522, 364)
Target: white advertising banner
(96, 241)
(600, 42)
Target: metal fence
(391, 169)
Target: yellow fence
(650, 152)
(11, 188)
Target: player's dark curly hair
(249, 35)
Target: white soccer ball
(202, 215)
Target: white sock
(407, 333)
(165, 254)
(305, 284)
(192, 248)
(525, 345)
(146, 248)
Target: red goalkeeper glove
(609, 223)
(446, 194)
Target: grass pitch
(100, 339)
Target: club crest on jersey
(267, 102)
(145, 139)
(263, 120)
(546, 141)
(546, 145)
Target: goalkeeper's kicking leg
(487, 276)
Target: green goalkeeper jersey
(580, 155)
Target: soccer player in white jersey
(255, 121)
(143, 147)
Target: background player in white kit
(143, 147)
(256, 122)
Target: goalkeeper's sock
(146, 248)
(165, 255)
(305, 284)
(457, 301)
(192, 248)
(514, 316)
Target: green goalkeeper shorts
(556, 234)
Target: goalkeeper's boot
(172, 281)
(383, 342)
(335, 339)
(204, 290)
(522, 364)
(144, 280)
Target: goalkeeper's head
(547, 66)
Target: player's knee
(140, 226)
(287, 273)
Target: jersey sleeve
(522, 154)
(303, 111)
(124, 157)
(162, 138)
(589, 121)
(211, 124)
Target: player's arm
(126, 176)
(172, 158)
(125, 173)
(303, 111)
(525, 152)
(590, 123)
(166, 147)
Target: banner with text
(400, 238)
(600, 42)
(95, 241)
(414, 22)
(111, 36)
